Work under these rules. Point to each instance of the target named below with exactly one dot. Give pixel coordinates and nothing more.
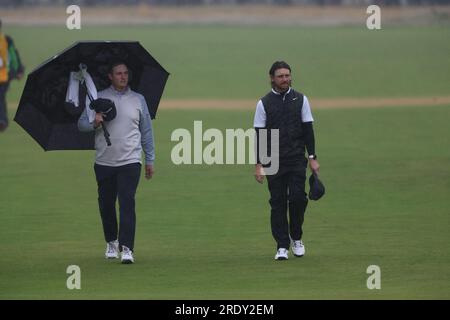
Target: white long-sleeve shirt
(260, 114)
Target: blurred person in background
(11, 68)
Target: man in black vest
(287, 110)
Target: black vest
(284, 112)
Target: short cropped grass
(203, 231)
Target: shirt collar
(120, 93)
(279, 94)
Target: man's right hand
(98, 120)
(149, 171)
(259, 173)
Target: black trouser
(287, 189)
(118, 182)
(3, 109)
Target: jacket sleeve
(146, 128)
(21, 67)
(308, 134)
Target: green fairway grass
(203, 231)
(233, 62)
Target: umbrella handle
(106, 134)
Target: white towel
(74, 86)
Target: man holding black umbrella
(117, 166)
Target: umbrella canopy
(41, 109)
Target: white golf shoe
(112, 250)
(127, 255)
(282, 254)
(298, 249)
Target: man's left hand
(149, 171)
(314, 165)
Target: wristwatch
(312, 157)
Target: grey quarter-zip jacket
(130, 131)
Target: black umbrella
(42, 112)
